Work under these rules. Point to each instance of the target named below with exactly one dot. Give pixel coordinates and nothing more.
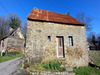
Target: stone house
(14, 41)
(54, 36)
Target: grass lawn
(95, 57)
(86, 71)
(10, 55)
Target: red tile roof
(44, 15)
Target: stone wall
(15, 44)
(52, 73)
(39, 49)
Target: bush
(51, 65)
(57, 65)
(46, 66)
(54, 65)
(62, 68)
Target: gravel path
(10, 67)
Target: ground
(10, 67)
(10, 55)
(95, 58)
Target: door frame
(57, 47)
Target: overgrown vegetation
(52, 65)
(10, 55)
(86, 71)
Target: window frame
(49, 38)
(70, 40)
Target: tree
(14, 20)
(24, 30)
(93, 40)
(4, 27)
(84, 19)
(90, 36)
(98, 39)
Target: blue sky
(23, 7)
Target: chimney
(68, 13)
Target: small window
(60, 42)
(49, 38)
(70, 40)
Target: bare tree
(24, 30)
(85, 19)
(4, 27)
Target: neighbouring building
(54, 36)
(14, 41)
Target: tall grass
(86, 71)
(10, 55)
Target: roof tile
(44, 15)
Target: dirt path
(10, 67)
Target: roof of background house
(44, 15)
(10, 33)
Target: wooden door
(60, 45)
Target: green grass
(9, 56)
(95, 57)
(86, 71)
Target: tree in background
(4, 26)
(98, 39)
(14, 20)
(93, 40)
(24, 30)
(90, 36)
(84, 19)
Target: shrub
(54, 65)
(62, 68)
(57, 65)
(51, 65)
(31, 69)
(38, 67)
(46, 66)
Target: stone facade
(40, 49)
(53, 73)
